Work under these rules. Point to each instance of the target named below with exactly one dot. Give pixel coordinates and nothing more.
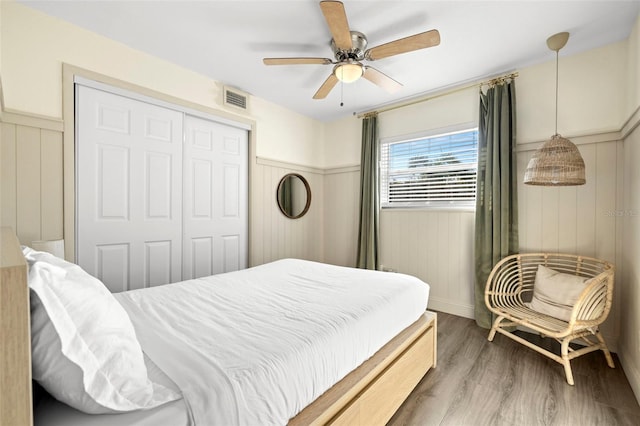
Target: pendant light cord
(557, 52)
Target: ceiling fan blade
(296, 61)
(404, 45)
(381, 79)
(326, 87)
(336, 18)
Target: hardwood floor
(477, 382)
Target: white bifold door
(161, 196)
(215, 208)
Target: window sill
(470, 209)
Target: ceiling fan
(350, 50)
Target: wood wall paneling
(32, 167)
(8, 190)
(341, 211)
(567, 211)
(527, 205)
(274, 235)
(550, 220)
(28, 183)
(437, 247)
(586, 218)
(51, 185)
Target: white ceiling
(226, 40)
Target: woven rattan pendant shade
(557, 163)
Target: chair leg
(492, 333)
(605, 349)
(566, 362)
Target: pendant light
(558, 162)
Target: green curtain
(496, 230)
(367, 257)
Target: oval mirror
(293, 195)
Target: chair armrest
(594, 303)
(504, 285)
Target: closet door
(128, 190)
(215, 215)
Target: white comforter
(257, 346)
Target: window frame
(435, 206)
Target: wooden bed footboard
(369, 395)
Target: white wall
(284, 135)
(630, 289)
(33, 47)
(1, 99)
(342, 143)
(441, 112)
(590, 96)
(632, 86)
(630, 284)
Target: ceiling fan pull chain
(341, 93)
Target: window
(437, 171)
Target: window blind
(438, 171)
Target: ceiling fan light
(348, 72)
(557, 163)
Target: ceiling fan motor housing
(357, 51)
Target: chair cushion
(555, 293)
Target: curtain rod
(490, 82)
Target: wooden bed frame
(369, 395)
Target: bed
(252, 376)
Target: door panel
(201, 264)
(202, 189)
(113, 118)
(231, 252)
(129, 190)
(112, 265)
(113, 182)
(158, 186)
(215, 198)
(157, 263)
(231, 190)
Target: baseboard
(631, 370)
(450, 307)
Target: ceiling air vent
(236, 99)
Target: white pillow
(555, 293)
(84, 348)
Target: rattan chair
(510, 286)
